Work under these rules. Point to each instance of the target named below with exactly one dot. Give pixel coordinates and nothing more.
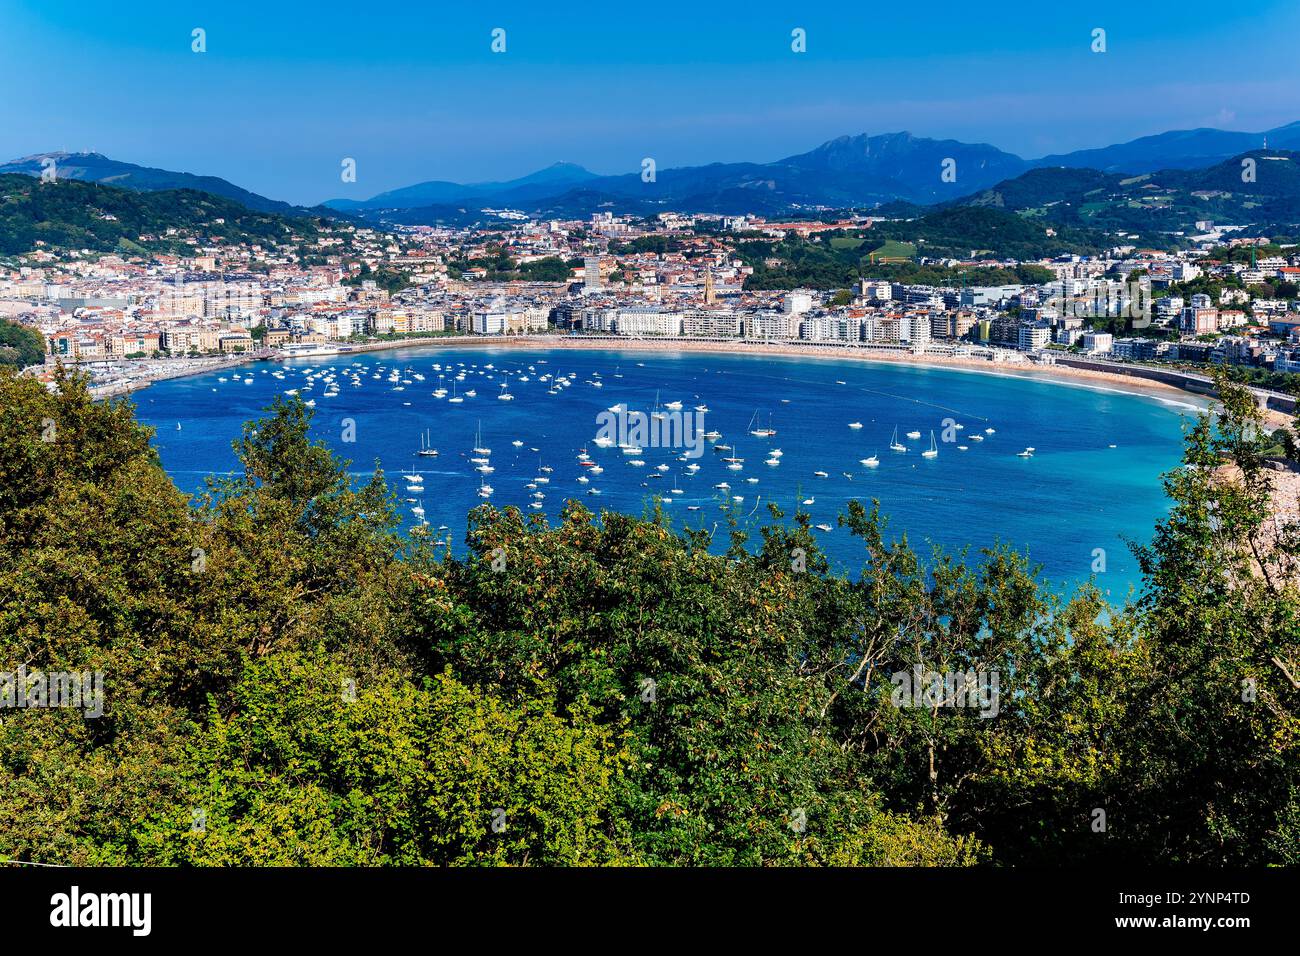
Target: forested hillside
(289, 681)
(67, 214)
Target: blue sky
(413, 91)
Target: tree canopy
(20, 345)
(289, 680)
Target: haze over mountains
(544, 182)
(859, 171)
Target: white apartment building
(876, 290)
(1035, 336)
(514, 321)
(712, 322)
(797, 302)
(915, 330)
(769, 325)
(1098, 343)
(489, 323)
(647, 322)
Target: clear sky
(412, 91)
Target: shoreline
(1117, 383)
(1053, 374)
(1060, 375)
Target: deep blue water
(1076, 494)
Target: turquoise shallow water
(1075, 495)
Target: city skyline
(280, 97)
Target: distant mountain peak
(556, 172)
(858, 170)
(97, 168)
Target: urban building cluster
(671, 277)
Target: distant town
(128, 319)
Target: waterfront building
(1034, 335)
(710, 322)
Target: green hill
(1260, 187)
(836, 261)
(975, 232)
(78, 215)
(96, 168)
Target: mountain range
(896, 170)
(860, 170)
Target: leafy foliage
(20, 345)
(321, 690)
(840, 261)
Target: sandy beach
(1059, 374)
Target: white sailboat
(759, 432)
(933, 450)
(894, 444)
